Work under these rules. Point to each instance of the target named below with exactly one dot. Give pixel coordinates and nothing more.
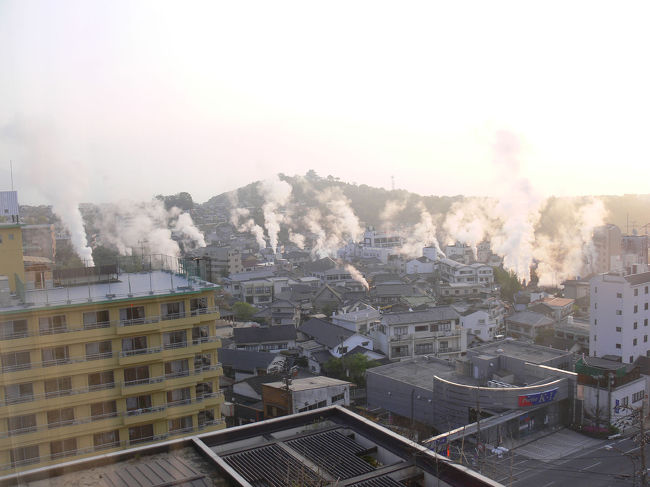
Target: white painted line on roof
(590, 466)
(550, 483)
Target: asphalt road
(609, 463)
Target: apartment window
(99, 350)
(338, 397)
(55, 356)
(646, 289)
(422, 328)
(175, 339)
(203, 389)
(619, 329)
(103, 410)
(635, 325)
(136, 375)
(596, 289)
(638, 396)
(60, 417)
(134, 345)
(59, 386)
(443, 345)
(595, 305)
(618, 345)
(619, 295)
(24, 456)
(101, 380)
(636, 308)
(595, 321)
(634, 341)
(63, 448)
(172, 311)
(198, 306)
(138, 404)
(205, 417)
(108, 439)
(636, 292)
(17, 393)
(133, 315)
(400, 330)
(179, 396)
(180, 425)
(625, 400)
(619, 312)
(422, 348)
(645, 322)
(645, 338)
(645, 306)
(595, 338)
(52, 324)
(96, 319)
(203, 361)
(177, 368)
(200, 334)
(10, 330)
(18, 425)
(140, 434)
(16, 361)
(400, 351)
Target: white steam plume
(249, 225)
(357, 276)
(423, 234)
(276, 194)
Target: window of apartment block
(638, 396)
(133, 315)
(63, 448)
(595, 338)
(619, 329)
(177, 368)
(175, 339)
(422, 328)
(17, 393)
(645, 322)
(55, 356)
(635, 325)
(203, 389)
(618, 345)
(96, 319)
(400, 330)
(138, 404)
(140, 434)
(198, 306)
(645, 306)
(103, 410)
(422, 348)
(60, 417)
(179, 396)
(10, 330)
(619, 295)
(172, 311)
(12, 361)
(179, 425)
(402, 351)
(634, 341)
(595, 321)
(24, 456)
(200, 334)
(52, 324)
(107, 439)
(645, 338)
(443, 344)
(205, 417)
(18, 425)
(619, 312)
(101, 380)
(203, 361)
(59, 386)
(646, 289)
(636, 292)
(134, 345)
(636, 308)
(136, 375)
(99, 350)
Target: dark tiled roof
(431, 314)
(245, 359)
(264, 334)
(530, 318)
(324, 332)
(636, 279)
(320, 265)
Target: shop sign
(537, 398)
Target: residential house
(336, 339)
(239, 364)
(299, 395)
(421, 265)
(358, 317)
(265, 339)
(528, 325)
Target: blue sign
(538, 398)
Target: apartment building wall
(106, 375)
(619, 316)
(11, 254)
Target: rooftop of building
(431, 314)
(309, 383)
(325, 332)
(129, 286)
(558, 302)
(636, 279)
(531, 318)
(527, 352)
(419, 372)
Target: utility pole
(478, 426)
(642, 443)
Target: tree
(243, 311)
(350, 367)
(509, 283)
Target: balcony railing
(140, 351)
(107, 324)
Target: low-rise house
(452, 271)
(435, 331)
(421, 265)
(298, 395)
(358, 317)
(336, 339)
(327, 297)
(240, 364)
(265, 339)
(528, 325)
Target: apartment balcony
(143, 355)
(143, 386)
(148, 415)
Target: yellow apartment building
(115, 360)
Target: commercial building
(103, 361)
(297, 395)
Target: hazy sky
(122, 99)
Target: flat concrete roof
(419, 372)
(309, 383)
(527, 352)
